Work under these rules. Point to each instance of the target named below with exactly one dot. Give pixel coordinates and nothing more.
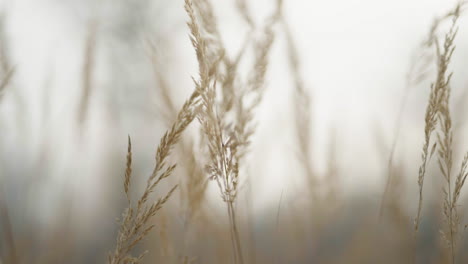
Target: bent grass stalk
(135, 223)
(438, 114)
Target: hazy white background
(354, 54)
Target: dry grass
(438, 102)
(135, 222)
(226, 92)
(88, 70)
(438, 114)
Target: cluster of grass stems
(223, 104)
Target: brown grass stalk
(302, 104)
(227, 140)
(6, 80)
(7, 228)
(445, 136)
(135, 223)
(11, 255)
(438, 113)
(87, 72)
(418, 72)
(224, 168)
(194, 184)
(439, 94)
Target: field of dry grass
(195, 203)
